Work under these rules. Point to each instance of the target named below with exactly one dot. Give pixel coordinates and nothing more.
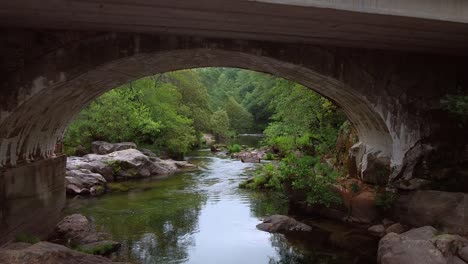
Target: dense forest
(170, 112)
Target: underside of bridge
(385, 65)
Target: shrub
(269, 156)
(385, 199)
(234, 148)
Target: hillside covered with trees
(170, 112)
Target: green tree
(220, 124)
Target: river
(202, 217)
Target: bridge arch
(50, 92)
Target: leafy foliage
(306, 174)
(457, 105)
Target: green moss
(101, 249)
(115, 165)
(27, 238)
(118, 187)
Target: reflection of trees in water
(287, 254)
(267, 203)
(168, 235)
(153, 225)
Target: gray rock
(81, 181)
(378, 230)
(448, 210)
(102, 147)
(45, 252)
(395, 228)
(17, 245)
(448, 244)
(421, 233)
(412, 184)
(282, 224)
(387, 222)
(463, 253)
(456, 260)
(129, 163)
(397, 249)
(77, 230)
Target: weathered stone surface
(76, 230)
(282, 224)
(395, 228)
(102, 147)
(375, 167)
(448, 244)
(83, 181)
(45, 252)
(421, 245)
(421, 233)
(412, 184)
(377, 230)
(96, 166)
(363, 209)
(444, 209)
(398, 249)
(129, 163)
(17, 245)
(456, 260)
(463, 253)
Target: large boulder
(446, 210)
(75, 230)
(421, 245)
(102, 147)
(124, 164)
(82, 181)
(282, 224)
(96, 166)
(45, 252)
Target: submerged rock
(282, 224)
(102, 147)
(45, 252)
(76, 230)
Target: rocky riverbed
(89, 174)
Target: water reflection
(199, 217)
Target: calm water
(202, 217)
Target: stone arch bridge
(387, 65)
